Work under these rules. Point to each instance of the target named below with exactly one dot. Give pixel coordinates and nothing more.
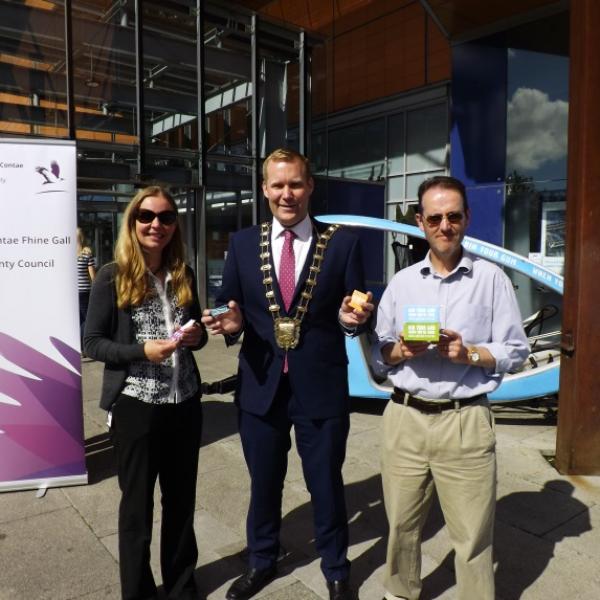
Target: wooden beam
(578, 439)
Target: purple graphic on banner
(42, 435)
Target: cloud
(537, 129)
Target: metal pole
(69, 70)
(305, 95)
(255, 75)
(199, 207)
(139, 83)
(200, 67)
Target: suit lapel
(317, 228)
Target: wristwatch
(473, 355)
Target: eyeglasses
(453, 218)
(166, 217)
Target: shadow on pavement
(528, 526)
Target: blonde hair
(286, 155)
(82, 249)
(131, 278)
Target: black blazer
(317, 367)
(108, 335)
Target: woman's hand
(157, 350)
(191, 336)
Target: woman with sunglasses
(138, 308)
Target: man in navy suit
(287, 284)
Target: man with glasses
(438, 430)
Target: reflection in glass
(226, 213)
(395, 189)
(100, 230)
(358, 151)
(536, 151)
(396, 145)
(414, 181)
(426, 137)
(537, 115)
(32, 71)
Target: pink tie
(287, 269)
(287, 276)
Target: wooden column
(578, 442)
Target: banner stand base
(42, 484)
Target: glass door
(226, 213)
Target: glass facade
(128, 136)
(536, 149)
(135, 99)
(401, 147)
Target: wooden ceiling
(460, 18)
(457, 18)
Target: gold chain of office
(287, 329)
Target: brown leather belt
(430, 407)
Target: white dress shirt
(302, 241)
(476, 300)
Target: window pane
(358, 151)
(538, 102)
(427, 134)
(393, 210)
(395, 189)
(104, 78)
(536, 151)
(226, 213)
(319, 153)
(32, 70)
(414, 181)
(396, 144)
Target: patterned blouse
(172, 380)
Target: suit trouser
(455, 452)
(321, 444)
(157, 440)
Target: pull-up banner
(41, 420)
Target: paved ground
(64, 545)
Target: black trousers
(84, 301)
(157, 441)
(321, 444)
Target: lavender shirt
(476, 300)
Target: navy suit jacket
(317, 367)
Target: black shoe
(251, 583)
(339, 590)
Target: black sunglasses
(436, 220)
(166, 217)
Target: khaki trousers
(455, 452)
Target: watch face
(474, 356)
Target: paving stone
(294, 591)
(21, 505)
(98, 504)
(53, 556)
(579, 535)
(529, 567)
(111, 592)
(534, 509)
(64, 546)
